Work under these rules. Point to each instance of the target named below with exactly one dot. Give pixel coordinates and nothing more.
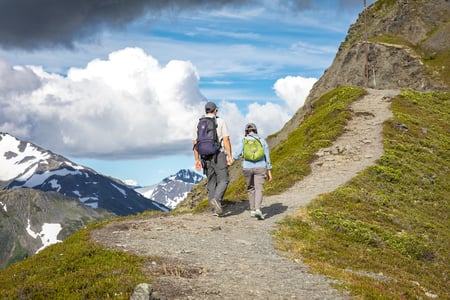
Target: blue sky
(118, 86)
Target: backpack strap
(216, 136)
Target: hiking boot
(259, 215)
(217, 206)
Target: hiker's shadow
(239, 207)
(274, 209)
(232, 208)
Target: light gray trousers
(255, 178)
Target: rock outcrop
(392, 45)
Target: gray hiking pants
(255, 178)
(217, 173)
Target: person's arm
(266, 154)
(238, 152)
(268, 162)
(227, 146)
(198, 163)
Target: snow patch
(119, 189)
(161, 207)
(48, 234)
(90, 201)
(3, 206)
(55, 185)
(38, 179)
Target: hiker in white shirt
(215, 166)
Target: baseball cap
(250, 126)
(210, 107)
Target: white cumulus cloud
(125, 106)
(268, 118)
(293, 90)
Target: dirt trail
(233, 257)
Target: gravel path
(233, 257)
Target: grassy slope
(391, 219)
(386, 233)
(78, 268)
(291, 157)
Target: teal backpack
(253, 149)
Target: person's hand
(229, 160)
(269, 175)
(198, 165)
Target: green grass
(291, 157)
(385, 234)
(78, 268)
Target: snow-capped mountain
(172, 189)
(146, 191)
(25, 165)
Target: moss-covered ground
(385, 235)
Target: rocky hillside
(30, 220)
(408, 46)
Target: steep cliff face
(408, 46)
(401, 37)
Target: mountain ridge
(26, 211)
(30, 166)
(42, 190)
(173, 189)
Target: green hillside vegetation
(291, 157)
(78, 268)
(385, 235)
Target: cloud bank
(127, 106)
(31, 24)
